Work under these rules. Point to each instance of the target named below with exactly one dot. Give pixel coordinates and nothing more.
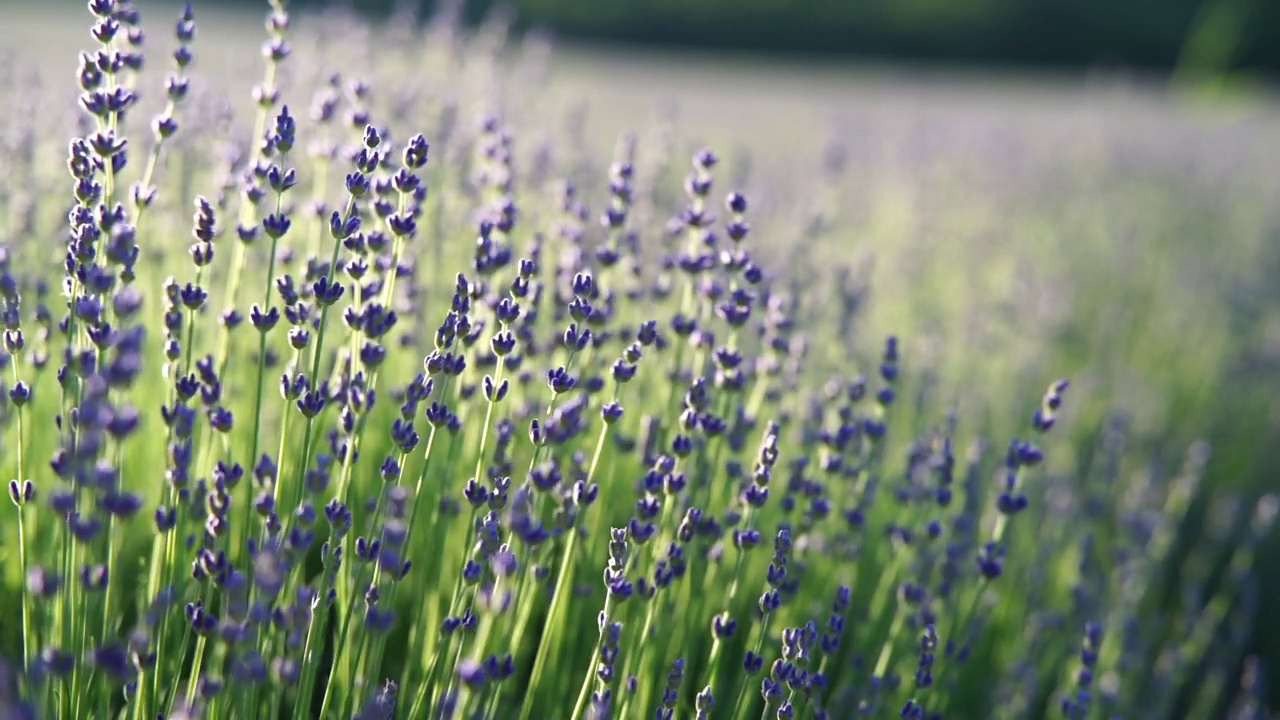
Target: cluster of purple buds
(1078, 704)
(703, 702)
(615, 581)
(671, 691)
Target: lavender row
(316, 416)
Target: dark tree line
(1146, 34)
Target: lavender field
(416, 371)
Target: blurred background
(1201, 36)
(1019, 188)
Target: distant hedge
(1149, 34)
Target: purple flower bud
(43, 583)
(723, 626)
(20, 394)
(611, 412)
(471, 673)
(560, 380)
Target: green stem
(316, 628)
(738, 706)
(28, 633)
(585, 690)
(713, 659)
(262, 372)
(318, 356)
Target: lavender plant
(480, 451)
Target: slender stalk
(28, 632)
(316, 628)
(318, 355)
(739, 704)
(262, 365)
(562, 592)
(585, 691)
(713, 658)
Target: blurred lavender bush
(350, 403)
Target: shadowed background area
(1217, 34)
